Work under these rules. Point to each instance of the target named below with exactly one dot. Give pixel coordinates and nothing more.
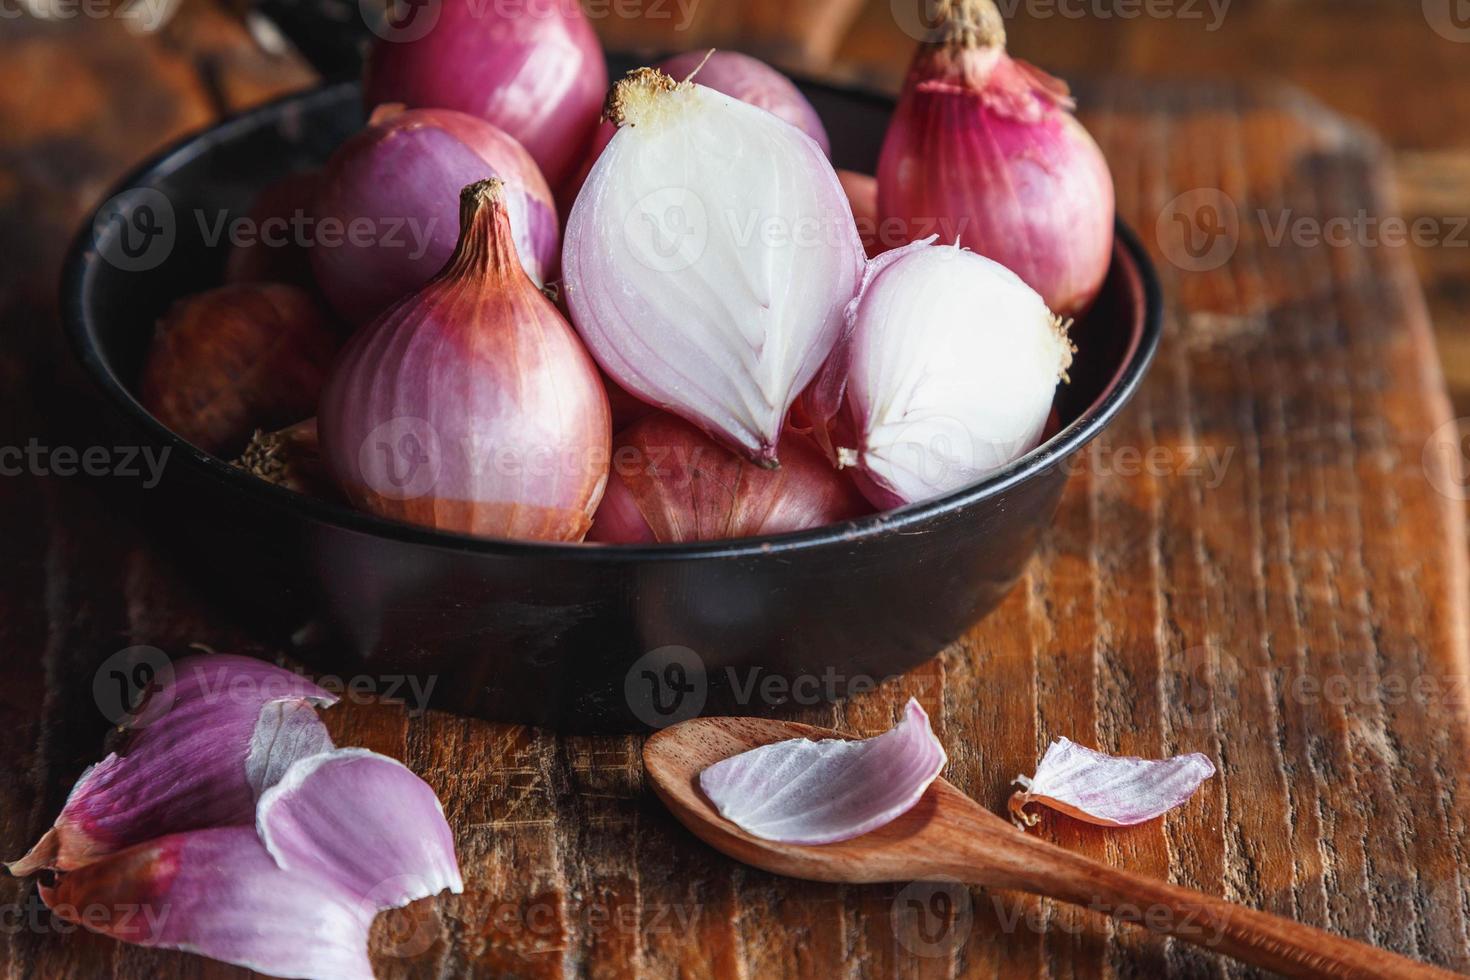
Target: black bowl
(572, 636)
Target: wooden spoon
(947, 835)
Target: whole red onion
(671, 482)
(534, 68)
(753, 82)
(387, 218)
(470, 406)
(984, 149)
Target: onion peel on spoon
(803, 791)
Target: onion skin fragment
(342, 835)
(520, 450)
(781, 792)
(217, 892)
(196, 753)
(983, 150)
(671, 483)
(1107, 790)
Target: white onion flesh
(709, 259)
(953, 367)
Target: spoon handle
(1258, 938)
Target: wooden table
(1298, 612)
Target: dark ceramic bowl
(572, 636)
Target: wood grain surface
(1281, 584)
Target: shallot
(534, 68)
(235, 359)
(470, 406)
(386, 217)
(709, 259)
(671, 482)
(949, 374)
(984, 148)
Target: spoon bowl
(947, 835)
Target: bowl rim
(78, 324)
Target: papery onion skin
(1107, 790)
(801, 791)
(722, 320)
(237, 358)
(753, 82)
(951, 373)
(217, 892)
(670, 482)
(398, 181)
(470, 406)
(535, 69)
(985, 150)
(196, 753)
(277, 251)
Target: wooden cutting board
(1262, 560)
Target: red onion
(470, 406)
(534, 68)
(671, 482)
(387, 218)
(276, 251)
(709, 259)
(984, 149)
(951, 369)
(753, 82)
